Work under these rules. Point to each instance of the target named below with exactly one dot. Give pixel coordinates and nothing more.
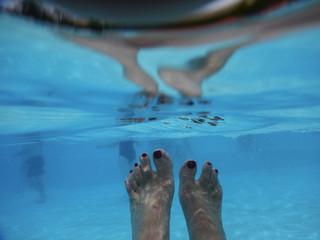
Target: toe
(145, 165)
(216, 192)
(133, 183)
(129, 189)
(163, 163)
(137, 173)
(188, 171)
(205, 174)
(213, 179)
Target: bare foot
(201, 201)
(151, 194)
(187, 82)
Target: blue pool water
(259, 125)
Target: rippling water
(65, 91)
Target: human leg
(188, 81)
(37, 184)
(201, 201)
(151, 193)
(124, 53)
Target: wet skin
(151, 193)
(201, 201)
(188, 81)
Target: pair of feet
(151, 193)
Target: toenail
(157, 154)
(136, 164)
(216, 170)
(209, 163)
(143, 155)
(191, 164)
(131, 171)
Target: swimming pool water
(261, 131)
(269, 192)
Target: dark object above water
(151, 13)
(136, 12)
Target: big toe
(163, 163)
(188, 171)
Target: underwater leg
(150, 194)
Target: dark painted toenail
(157, 154)
(209, 163)
(136, 164)
(216, 170)
(131, 171)
(191, 164)
(143, 155)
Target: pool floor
(267, 204)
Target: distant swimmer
(32, 163)
(127, 156)
(34, 167)
(127, 151)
